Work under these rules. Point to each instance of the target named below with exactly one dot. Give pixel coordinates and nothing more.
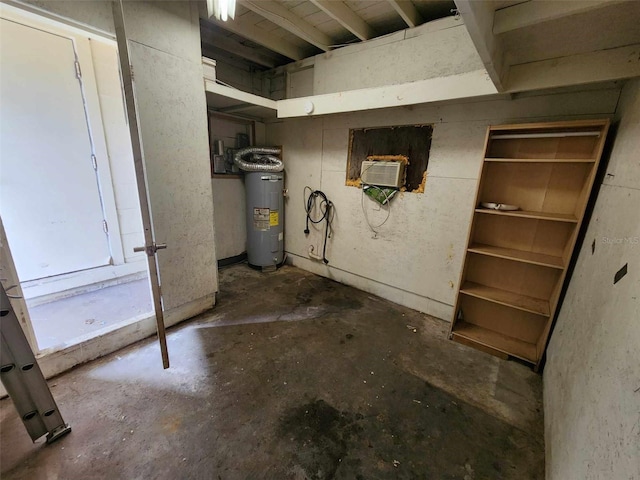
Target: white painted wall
(592, 375)
(237, 74)
(417, 258)
(229, 200)
(229, 194)
(229, 204)
(94, 16)
(436, 49)
(433, 62)
(227, 129)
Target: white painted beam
(601, 66)
(239, 95)
(535, 11)
(346, 17)
(465, 85)
(275, 12)
(478, 19)
(258, 35)
(408, 12)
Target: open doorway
(68, 195)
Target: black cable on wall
(326, 207)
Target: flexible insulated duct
(262, 159)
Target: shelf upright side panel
(470, 233)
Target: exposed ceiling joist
(238, 95)
(534, 12)
(464, 85)
(591, 67)
(408, 12)
(233, 46)
(478, 19)
(275, 12)
(346, 17)
(262, 37)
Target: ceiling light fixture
(221, 9)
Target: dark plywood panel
(414, 141)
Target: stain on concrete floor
(291, 376)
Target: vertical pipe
(141, 179)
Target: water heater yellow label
(274, 218)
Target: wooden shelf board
(488, 338)
(550, 126)
(508, 299)
(540, 160)
(554, 217)
(521, 136)
(518, 255)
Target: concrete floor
(63, 322)
(291, 376)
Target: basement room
(320, 239)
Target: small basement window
(412, 141)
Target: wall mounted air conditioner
(382, 174)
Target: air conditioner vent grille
(383, 174)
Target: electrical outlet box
(382, 174)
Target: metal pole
(136, 144)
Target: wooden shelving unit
(517, 255)
(516, 261)
(541, 160)
(491, 340)
(504, 297)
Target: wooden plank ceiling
(269, 33)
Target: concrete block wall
(592, 375)
(417, 256)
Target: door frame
(82, 48)
(53, 362)
(61, 360)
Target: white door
(49, 197)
